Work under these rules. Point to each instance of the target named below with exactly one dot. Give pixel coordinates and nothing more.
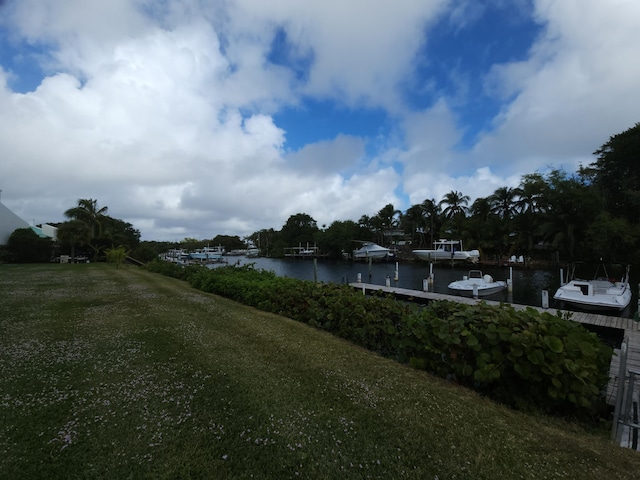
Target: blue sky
(194, 118)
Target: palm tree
(431, 211)
(503, 202)
(74, 233)
(531, 193)
(88, 212)
(386, 220)
(456, 204)
(483, 225)
(531, 203)
(413, 223)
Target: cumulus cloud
(577, 88)
(164, 111)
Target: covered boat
(370, 250)
(600, 294)
(477, 284)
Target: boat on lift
(600, 294)
(448, 250)
(370, 250)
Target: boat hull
(374, 254)
(595, 295)
(466, 289)
(371, 250)
(440, 255)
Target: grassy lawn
(120, 373)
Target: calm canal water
(528, 284)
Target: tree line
(586, 215)
(88, 233)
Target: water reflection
(528, 284)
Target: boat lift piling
(431, 278)
(510, 280)
(545, 299)
(395, 275)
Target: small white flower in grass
(225, 456)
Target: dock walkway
(630, 328)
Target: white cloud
(163, 111)
(327, 157)
(360, 49)
(578, 87)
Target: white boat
(601, 293)
(477, 284)
(208, 253)
(370, 250)
(448, 250)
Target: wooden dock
(628, 328)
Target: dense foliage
(91, 231)
(526, 359)
(575, 216)
(25, 246)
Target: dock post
(315, 270)
(388, 281)
(561, 277)
(545, 299)
(431, 279)
(395, 275)
(475, 291)
(510, 280)
(425, 284)
(359, 277)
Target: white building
(10, 222)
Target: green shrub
(523, 358)
(174, 270)
(526, 359)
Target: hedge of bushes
(526, 359)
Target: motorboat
(208, 253)
(370, 250)
(600, 294)
(477, 284)
(448, 250)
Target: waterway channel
(528, 284)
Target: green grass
(119, 373)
